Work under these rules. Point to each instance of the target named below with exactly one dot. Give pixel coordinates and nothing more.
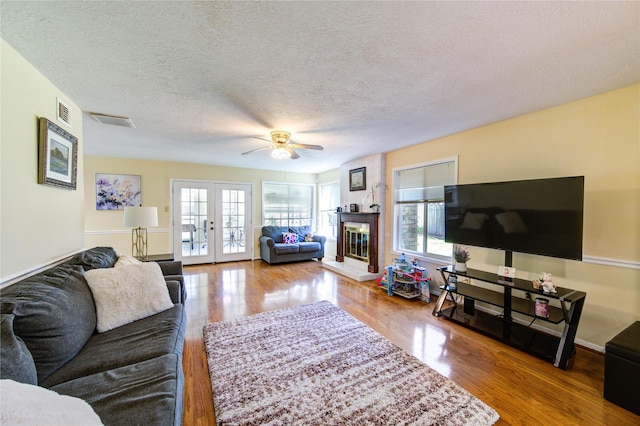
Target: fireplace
(351, 242)
(357, 241)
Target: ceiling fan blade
(306, 146)
(257, 149)
(294, 155)
(263, 139)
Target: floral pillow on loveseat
(289, 237)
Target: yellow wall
(329, 176)
(597, 137)
(106, 227)
(39, 224)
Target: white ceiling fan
(282, 146)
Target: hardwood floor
(523, 389)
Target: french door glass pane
(234, 217)
(194, 207)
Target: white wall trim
(618, 263)
(11, 279)
(126, 231)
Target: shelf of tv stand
(522, 337)
(502, 327)
(518, 304)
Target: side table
(167, 257)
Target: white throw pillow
(127, 293)
(23, 404)
(125, 259)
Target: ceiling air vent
(112, 119)
(63, 113)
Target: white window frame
(321, 211)
(397, 209)
(313, 201)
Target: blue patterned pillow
(289, 238)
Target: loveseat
(274, 248)
(63, 330)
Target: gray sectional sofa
(273, 250)
(130, 375)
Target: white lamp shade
(140, 217)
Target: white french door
(211, 221)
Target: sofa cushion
(125, 259)
(95, 258)
(301, 231)
(127, 293)
(146, 393)
(17, 363)
(150, 337)
(274, 232)
(24, 404)
(308, 247)
(54, 315)
(281, 248)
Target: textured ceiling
(201, 79)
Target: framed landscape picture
(57, 156)
(115, 192)
(358, 179)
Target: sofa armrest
(267, 240)
(172, 267)
(175, 292)
(320, 239)
(172, 271)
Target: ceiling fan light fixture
(280, 154)
(280, 137)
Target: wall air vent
(112, 119)
(63, 112)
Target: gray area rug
(317, 365)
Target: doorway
(211, 221)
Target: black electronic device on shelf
(538, 216)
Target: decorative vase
(461, 267)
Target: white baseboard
(125, 231)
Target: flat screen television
(540, 216)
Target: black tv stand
(503, 327)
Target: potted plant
(375, 207)
(461, 256)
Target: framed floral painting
(115, 192)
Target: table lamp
(140, 218)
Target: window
(285, 204)
(328, 200)
(419, 208)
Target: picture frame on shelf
(358, 179)
(57, 156)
